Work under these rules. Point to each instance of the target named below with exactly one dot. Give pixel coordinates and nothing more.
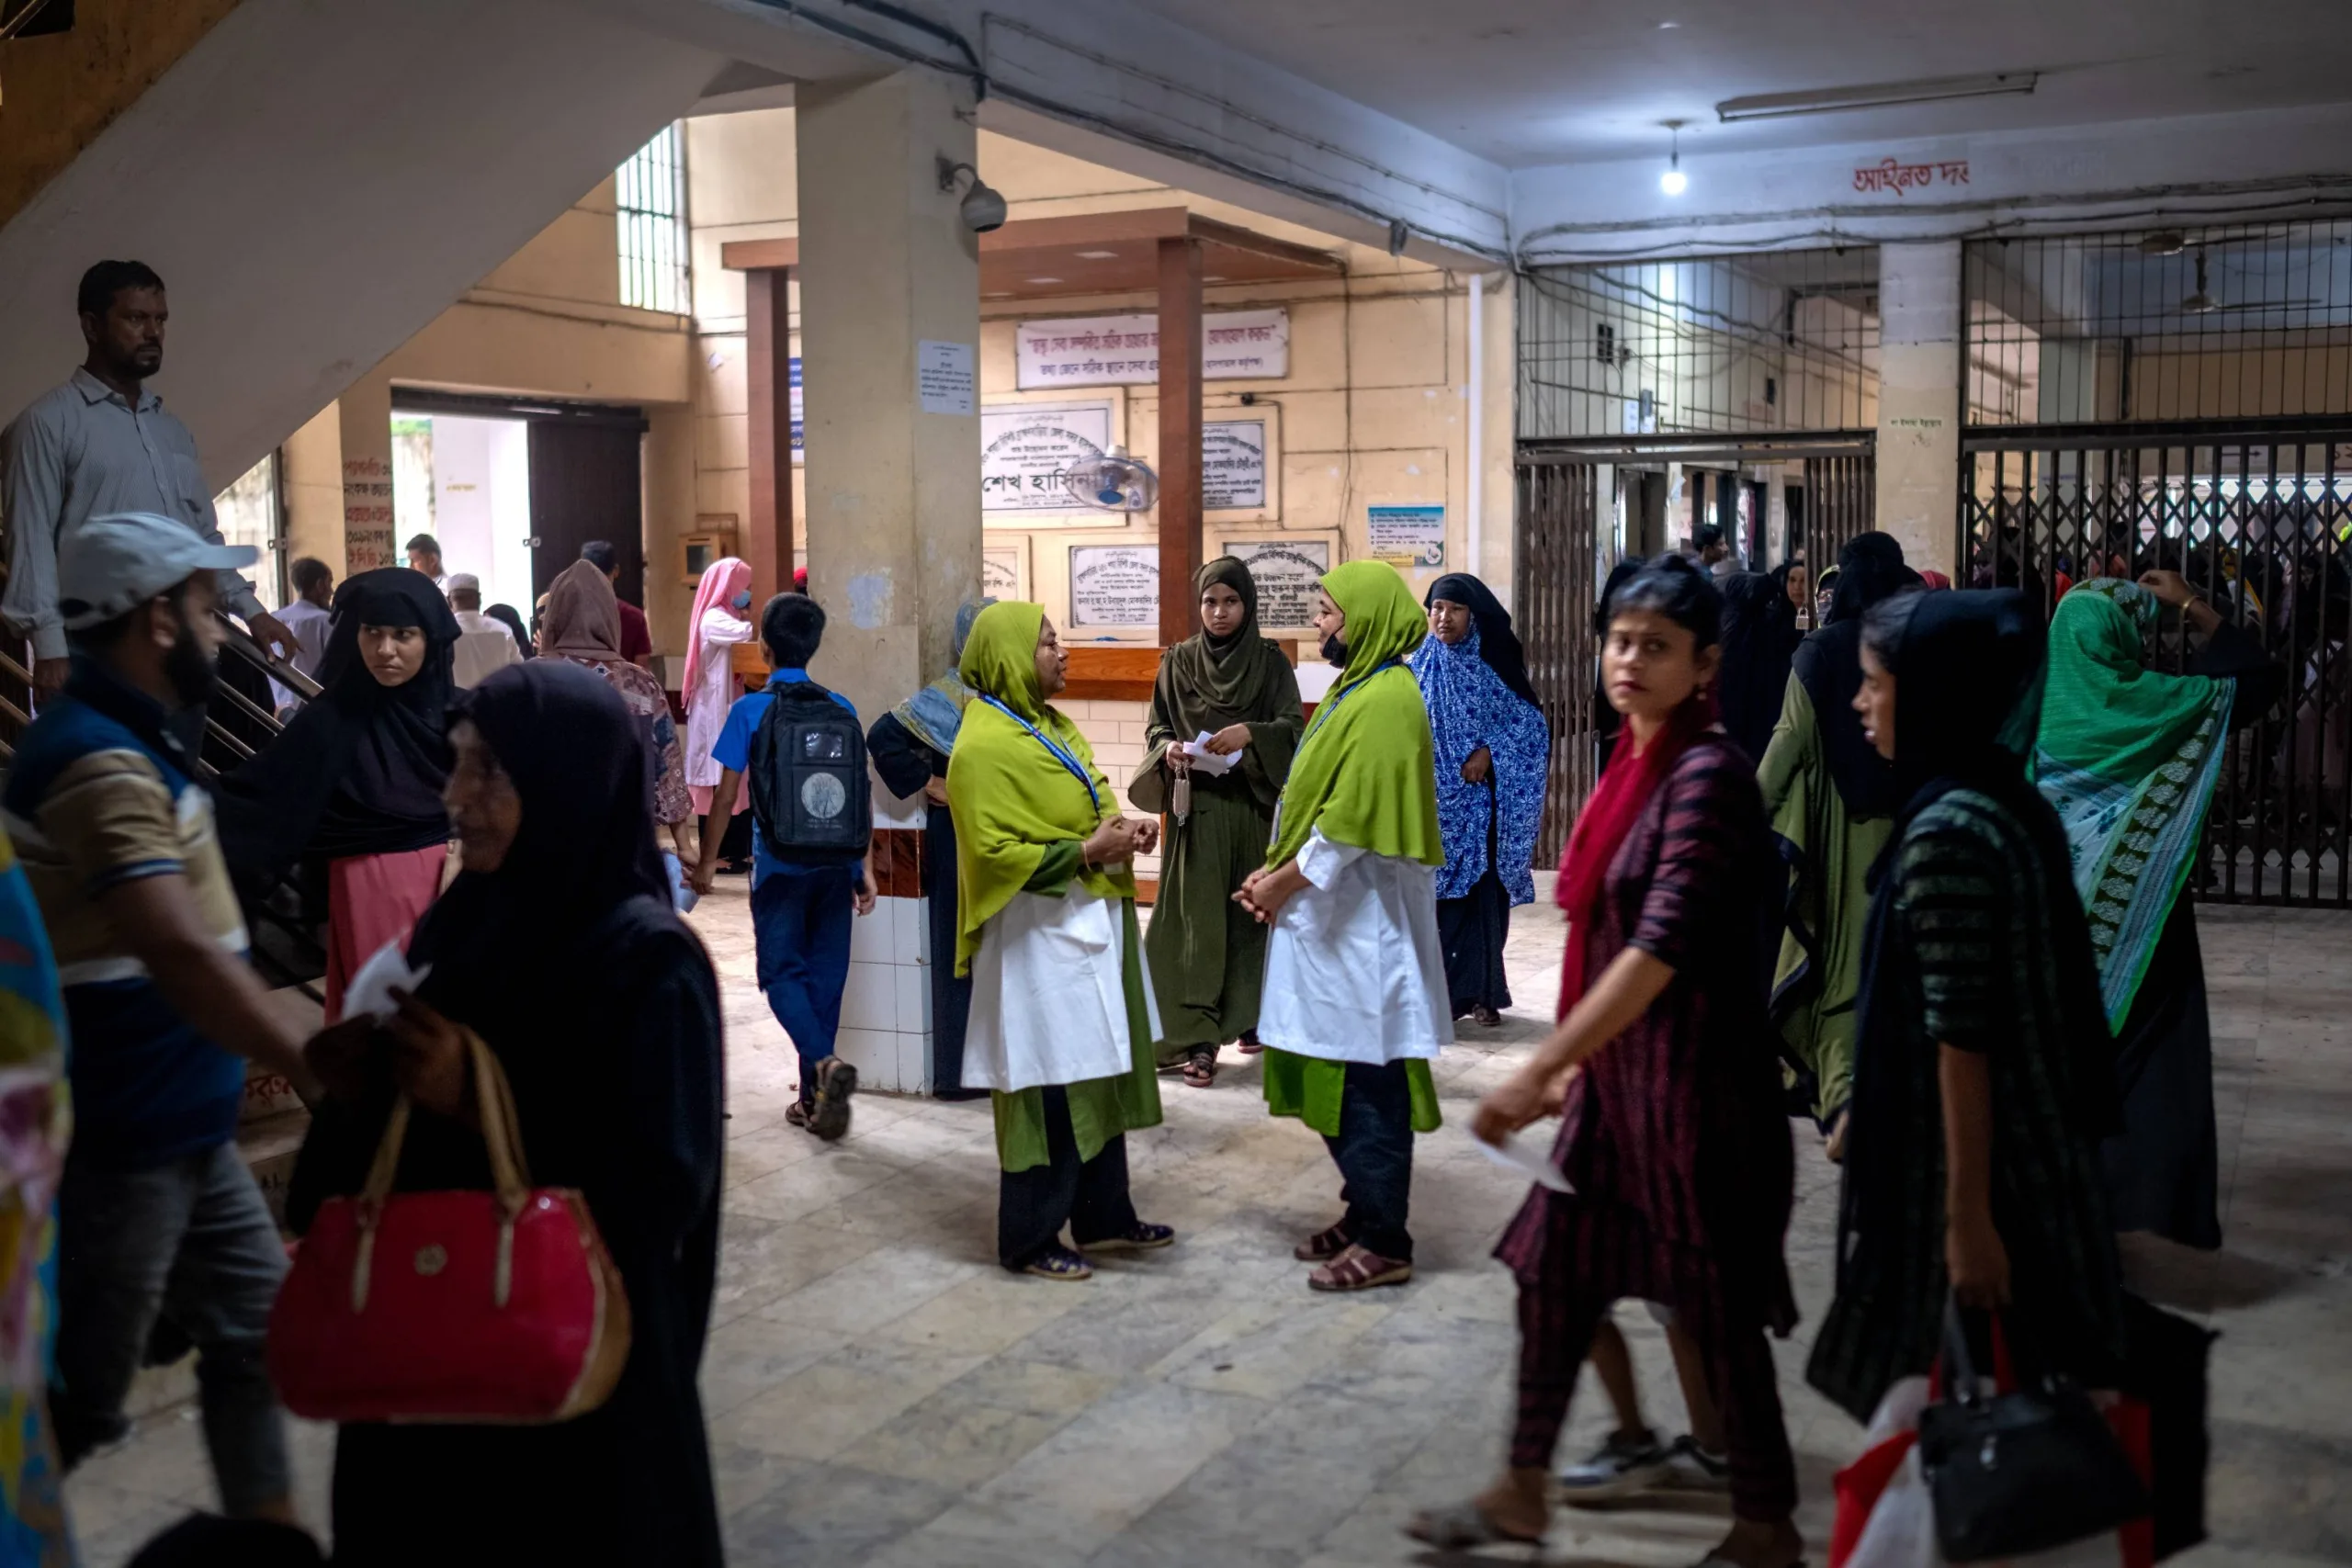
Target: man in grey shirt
(98, 444)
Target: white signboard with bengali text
(1114, 585)
(1004, 570)
(1027, 450)
(1233, 465)
(1109, 351)
(1286, 572)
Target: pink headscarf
(721, 580)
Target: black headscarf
(359, 771)
(1968, 698)
(1760, 636)
(1829, 663)
(1497, 644)
(507, 615)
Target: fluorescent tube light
(1884, 94)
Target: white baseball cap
(109, 566)
(463, 582)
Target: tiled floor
(879, 1392)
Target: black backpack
(809, 792)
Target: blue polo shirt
(732, 751)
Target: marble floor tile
(879, 1392)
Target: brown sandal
(1356, 1269)
(1323, 1246)
(1200, 1067)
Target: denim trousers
(189, 1242)
(800, 926)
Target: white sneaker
(1690, 1468)
(1621, 1467)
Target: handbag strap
(1959, 1365)
(502, 1133)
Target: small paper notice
(1529, 1160)
(371, 991)
(944, 378)
(1206, 760)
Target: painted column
(1918, 403)
(364, 414)
(767, 320)
(889, 290)
(1180, 435)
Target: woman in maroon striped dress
(1671, 1131)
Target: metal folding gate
(2258, 517)
(1570, 535)
(1557, 581)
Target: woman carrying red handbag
(558, 948)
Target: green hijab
(1010, 794)
(1206, 684)
(2128, 756)
(1366, 771)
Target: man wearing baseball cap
(158, 1215)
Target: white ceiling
(1533, 81)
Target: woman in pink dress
(721, 619)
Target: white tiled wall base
(1115, 731)
(886, 1007)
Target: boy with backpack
(803, 750)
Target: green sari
(2129, 758)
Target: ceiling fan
(2201, 301)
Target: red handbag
(462, 1307)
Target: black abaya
(604, 1011)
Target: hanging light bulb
(1674, 182)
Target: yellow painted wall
(59, 90)
(1374, 410)
(547, 322)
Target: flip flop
(1463, 1525)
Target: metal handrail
(242, 643)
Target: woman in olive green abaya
(1062, 1024)
(1235, 687)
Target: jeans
(800, 922)
(190, 1242)
(1374, 1153)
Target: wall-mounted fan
(1115, 483)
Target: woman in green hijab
(1237, 688)
(1062, 1022)
(2129, 757)
(1355, 1003)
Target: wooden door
(586, 484)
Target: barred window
(651, 191)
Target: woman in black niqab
(1759, 639)
(602, 1007)
(355, 779)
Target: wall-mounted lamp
(983, 207)
(1674, 182)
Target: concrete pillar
(313, 482)
(364, 416)
(1918, 401)
(890, 292)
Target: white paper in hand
(1206, 760)
(371, 991)
(1527, 1160)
